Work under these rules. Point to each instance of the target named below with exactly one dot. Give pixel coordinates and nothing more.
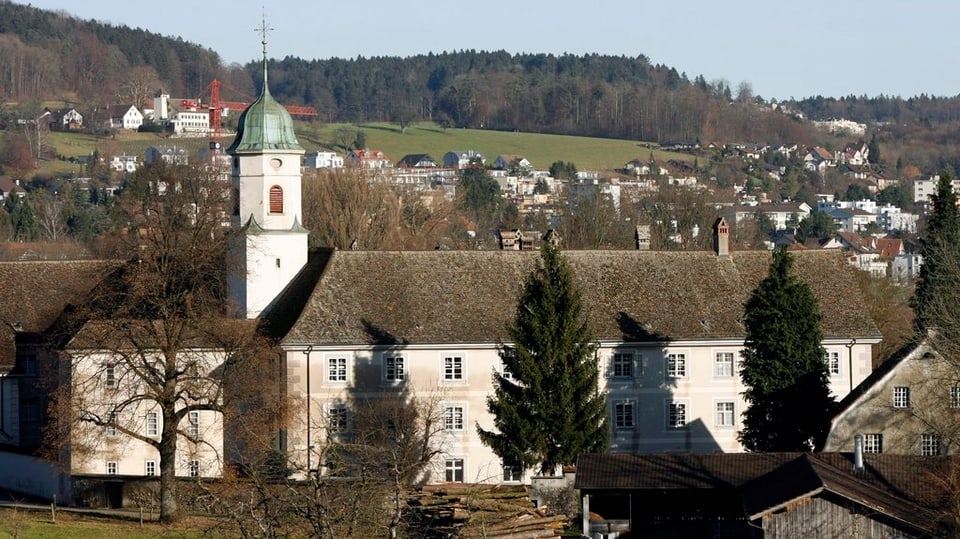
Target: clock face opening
(276, 162)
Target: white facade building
(323, 160)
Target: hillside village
(877, 237)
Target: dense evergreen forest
(51, 55)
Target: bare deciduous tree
(150, 350)
(341, 207)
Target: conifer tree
(938, 289)
(548, 410)
(783, 368)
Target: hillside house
(417, 160)
(518, 164)
(368, 159)
(171, 155)
(323, 160)
(463, 158)
(124, 117)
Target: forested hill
(52, 55)
(48, 54)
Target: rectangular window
(453, 368)
(337, 369)
(152, 424)
(955, 396)
(725, 414)
(833, 363)
(929, 444)
(901, 397)
(873, 443)
(453, 469)
(150, 467)
(622, 365)
(111, 426)
(506, 354)
(453, 418)
(393, 368)
(338, 418)
(623, 414)
(512, 474)
(193, 425)
(110, 376)
(677, 365)
(723, 365)
(677, 415)
(111, 467)
(193, 468)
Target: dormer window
(276, 199)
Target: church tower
(271, 244)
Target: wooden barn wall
(818, 517)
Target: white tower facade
(271, 244)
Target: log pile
(484, 512)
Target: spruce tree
(783, 367)
(938, 289)
(548, 410)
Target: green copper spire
(265, 125)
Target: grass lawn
(33, 524)
(586, 153)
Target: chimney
(858, 453)
(721, 237)
(642, 236)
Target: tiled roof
(368, 297)
(34, 294)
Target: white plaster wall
(650, 389)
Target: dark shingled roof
(34, 294)
(911, 488)
(807, 475)
(371, 297)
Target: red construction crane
(216, 107)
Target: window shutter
(276, 199)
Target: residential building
(512, 161)
(171, 155)
(907, 406)
(323, 160)
(123, 163)
(924, 188)
(191, 123)
(417, 160)
(463, 158)
(368, 159)
(780, 216)
(124, 117)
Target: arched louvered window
(276, 199)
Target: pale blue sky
(783, 49)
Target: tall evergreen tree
(938, 289)
(873, 155)
(783, 368)
(548, 409)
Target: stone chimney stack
(642, 236)
(721, 237)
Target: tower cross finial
(264, 29)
